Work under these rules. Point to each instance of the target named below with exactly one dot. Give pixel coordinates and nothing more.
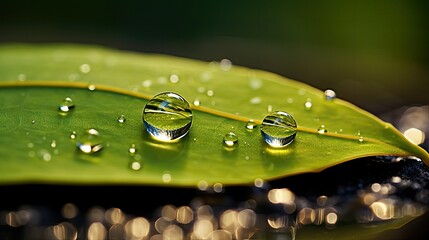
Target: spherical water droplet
(132, 150)
(308, 105)
(197, 102)
(361, 140)
(330, 94)
(174, 78)
(22, 77)
(322, 129)
(33, 121)
(250, 125)
(65, 106)
(45, 155)
(90, 141)
(230, 139)
(167, 117)
(121, 119)
(135, 165)
(85, 68)
(91, 87)
(166, 177)
(147, 83)
(73, 135)
(210, 93)
(278, 129)
(53, 144)
(225, 64)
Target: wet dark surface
(340, 184)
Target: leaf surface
(35, 143)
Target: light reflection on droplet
(168, 212)
(330, 94)
(415, 136)
(202, 185)
(85, 68)
(197, 102)
(210, 93)
(132, 150)
(97, 231)
(308, 104)
(259, 182)
(361, 140)
(217, 187)
(137, 228)
(91, 87)
(73, 135)
(230, 139)
(184, 215)
(69, 210)
(247, 218)
(306, 216)
(121, 119)
(282, 195)
(114, 216)
(53, 144)
(90, 141)
(225, 64)
(166, 177)
(202, 229)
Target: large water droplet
(230, 139)
(121, 119)
(65, 106)
(278, 129)
(167, 117)
(322, 129)
(90, 141)
(250, 125)
(330, 94)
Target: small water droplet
(147, 83)
(210, 93)
(361, 140)
(225, 64)
(132, 150)
(45, 155)
(121, 118)
(250, 125)
(33, 121)
(255, 100)
(278, 129)
(174, 78)
(22, 77)
(166, 177)
(322, 129)
(167, 117)
(201, 89)
(330, 94)
(65, 106)
(308, 105)
(30, 145)
(197, 102)
(259, 182)
(90, 141)
(91, 87)
(53, 144)
(73, 135)
(230, 139)
(135, 165)
(85, 68)
(269, 108)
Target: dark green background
(373, 53)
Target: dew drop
(132, 150)
(85, 68)
(65, 106)
(53, 144)
(225, 64)
(166, 177)
(210, 93)
(308, 105)
(45, 155)
(174, 78)
(197, 102)
(250, 125)
(33, 121)
(121, 119)
(330, 94)
(167, 117)
(361, 140)
(22, 77)
(278, 129)
(73, 135)
(147, 83)
(322, 129)
(230, 139)
(90, 141)
(91, 87)
(135, 165)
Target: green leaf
(34, 79)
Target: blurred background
(374, 54)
